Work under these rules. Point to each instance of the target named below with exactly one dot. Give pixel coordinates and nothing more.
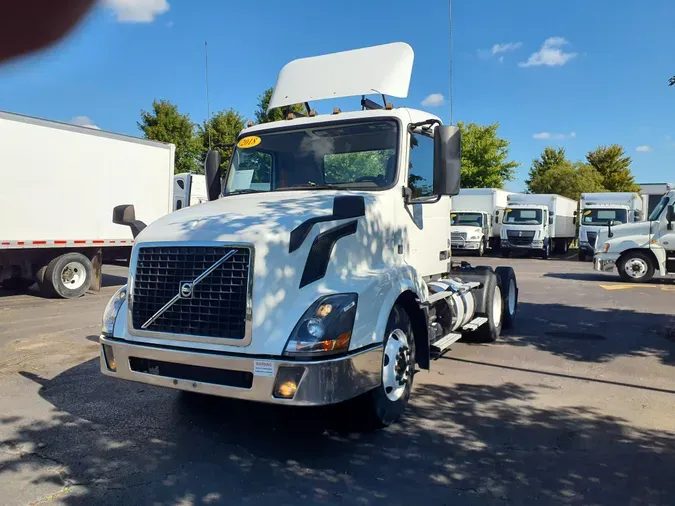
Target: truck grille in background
(592, 237)
(458, 236)
(520, 237)
(217, 307)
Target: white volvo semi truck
(331, 279)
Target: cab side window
(421, 167)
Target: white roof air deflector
(383, 70)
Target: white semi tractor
(538, 224)
(59, 183)
(641, 249)
(598, 209)
(188, 189)
(328, 281)
(476, 219)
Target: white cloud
(170, 24)
(501, 59)
(550, 54)
(644, 149)
(496, 49)
(553, 136)
(137, 11)
(85, 122)
(433, 100)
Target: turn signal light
(109, 356)
(287, 381)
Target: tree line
(485, 155)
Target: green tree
(261, 114)
(552, 172)
(485, 157)
(222, 128)
(550, 158)
(166, 124)
(614, 167)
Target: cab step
(475, 323)
(440, 347)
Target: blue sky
(574, 73)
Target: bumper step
(442, 346)
(475, 323)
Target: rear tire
(509, 288)
(636, 267)
(67, 276)
(385, 404)
(489, 332)
(481, 249)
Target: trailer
(599, 209)
(654, 193)
(60, 184)
(476, 219)
(538, 223)
(328, 282)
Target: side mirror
(126, 215)
(670, 216)
(447, 160)
(637, 215)
(550, 220)
(574, 219)
(212, 171)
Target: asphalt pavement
(574, 406)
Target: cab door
(662, 234)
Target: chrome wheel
(73, 275)
(396, 365)
(636, 268)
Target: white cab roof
(384, 69)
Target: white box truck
(476, 219)
(598, 209)
(538, 223)
(640, 250)
(333, 280)
(188, 189)
(60, 183)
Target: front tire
(489, 332)
(385, 404)
(636, 267)
(545, 253)
(506, 253)
(481, 249)
(509, 289)
(582, 255)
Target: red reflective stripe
(20, 243)
(98, 242)
(80, 242)
(123, 242)
(39, 242)
(60, 242)
(112, 242)
(5, 244)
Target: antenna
(450, 32)
(208, 103)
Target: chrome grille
(520, 237)
(217, 306)
(592, 237)
(458, 236)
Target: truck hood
(626, 235)
(265, 221)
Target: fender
(661, 258)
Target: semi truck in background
(188, 189)
(538, 224)
(60, 184)
(654, 193)
(320, 271)
(599, 209)
(641, 249)
(476, 219)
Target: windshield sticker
(507, 210)
(586, 213)
(453, 215)
(248, 142)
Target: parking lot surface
(575, 406)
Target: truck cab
(641, 249)
(526, 228)
(471, 231)
(320, 270)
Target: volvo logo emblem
(186, 289)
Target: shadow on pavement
(583, 334)
(111, 442)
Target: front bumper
(603, 263)
(467, 245)
(532, 245)
(322, 382)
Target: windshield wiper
(243, 190)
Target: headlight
(325, 328)
(111, 310)
(474, 238)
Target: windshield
(357, 156)
(466, 219)
(656, 213)
(523, 216)
(604, 216)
